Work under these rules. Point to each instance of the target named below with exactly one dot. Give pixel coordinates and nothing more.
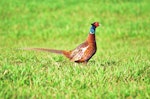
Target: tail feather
(45, 50)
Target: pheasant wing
(78, 53)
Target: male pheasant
(83, 52)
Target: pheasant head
(93, 28)
(95, 24)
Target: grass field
(120, 68)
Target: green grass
(120, 68)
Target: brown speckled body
(84, 51)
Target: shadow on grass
(107, 63)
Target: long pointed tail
(45, 50)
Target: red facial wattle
(96, 24)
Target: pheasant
(82, 53)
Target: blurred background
(66, 23)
